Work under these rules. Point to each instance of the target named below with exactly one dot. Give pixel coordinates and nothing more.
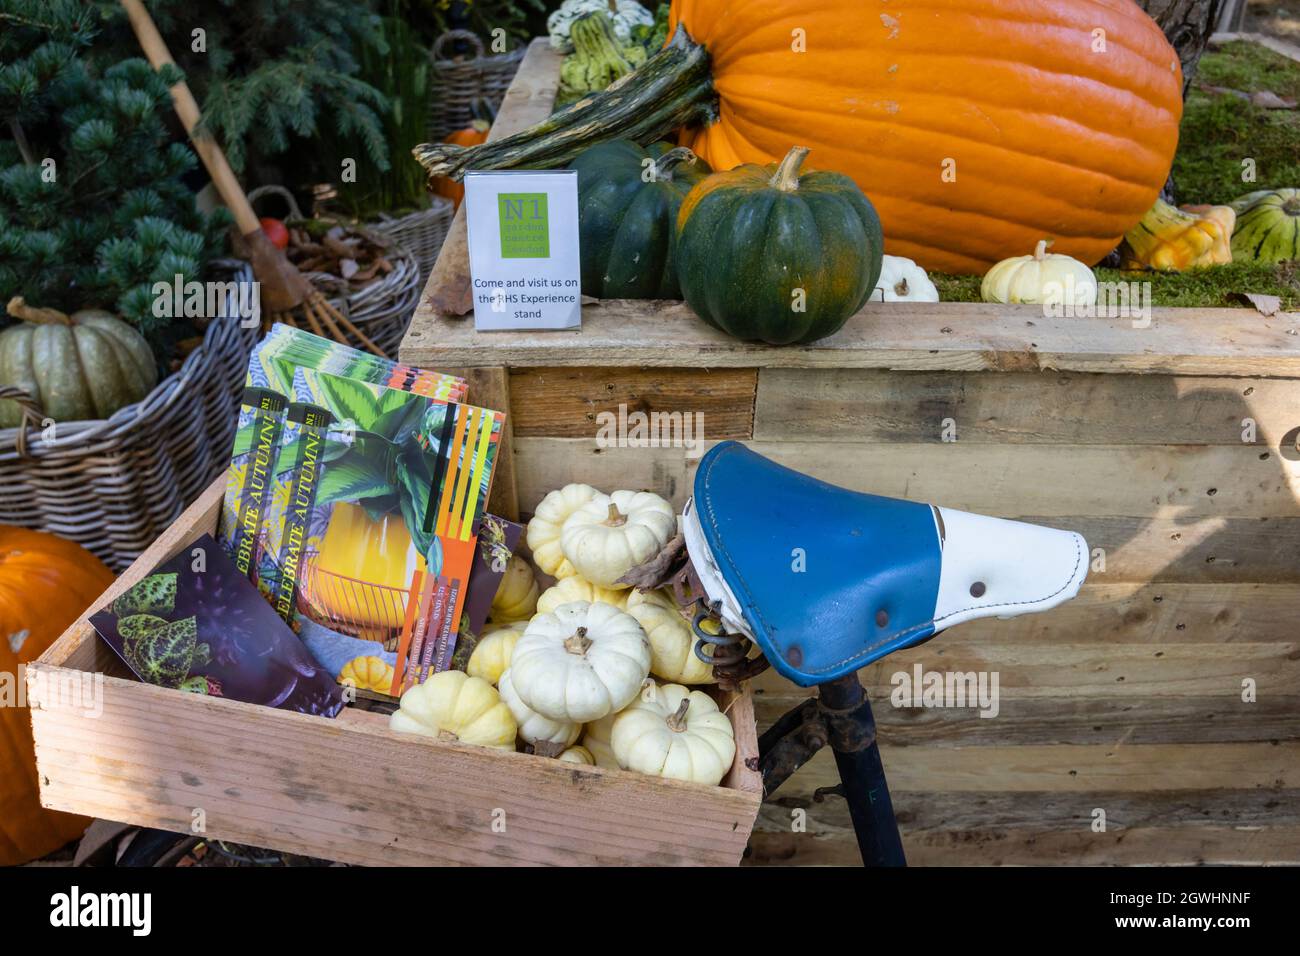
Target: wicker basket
(382, 309)
(113, 486)
(457, 83)
(421, 232)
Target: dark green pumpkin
(628, 199)
(1268, 226)
(766, 253)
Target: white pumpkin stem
(1040, 250)
(448, 736)
(615, 518)
(19, 309)
(786, 178)
(677, 722)
(613, 7)
(579, 642)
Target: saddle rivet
(882, 618)
(977, 589)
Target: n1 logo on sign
(525, 232)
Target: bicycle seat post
(852, 735)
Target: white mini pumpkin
(902, 280)
(595, 737)
(611, 534)
(491, 656)
(543, 533)
(548, 737)
(580, 662)
(516, 597)
(575, 588)
(579, 755)
(1040, 279)
(675, 732)
(672, 642)
(452, 705)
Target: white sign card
(523, 248)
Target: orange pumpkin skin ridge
(1047, 138)
(45, 584)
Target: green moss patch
(1220, 130)
(1199, 288)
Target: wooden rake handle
(223, 177)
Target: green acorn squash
(628, 199)
(78, 367)
(1268, 226)
(766, 253)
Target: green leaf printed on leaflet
(348, 398)
(354, 477)
(414, 477)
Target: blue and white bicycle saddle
(826, 580)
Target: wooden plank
(570, 402)
(919, 811)
(869, 405)
(1178, 481)
(1082, 771)
(893, 335)
(1060, 671)
(1209, 845)
(273, 778)
(1174, 482)
(1164, 613)
(1076, 720)
(528, 100)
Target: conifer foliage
(93, 209)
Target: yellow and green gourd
(1268, 226)
(599, 58)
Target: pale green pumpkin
(79, 367)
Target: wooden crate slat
(355, 792)
(1058, 408)
(902, 336)
(1142, 672)
(1077, 720)
(1153, 612)
(568, 402)
(1206, 845)
(1176, 482)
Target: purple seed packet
(497, 540)
(197, 624)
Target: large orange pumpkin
(975, 127)
(45, 585)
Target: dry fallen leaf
(1264, 304)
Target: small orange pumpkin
(473, 134)
(45, 584)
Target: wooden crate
(349, 789)
(1129, 699)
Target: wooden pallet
(1127, 700)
